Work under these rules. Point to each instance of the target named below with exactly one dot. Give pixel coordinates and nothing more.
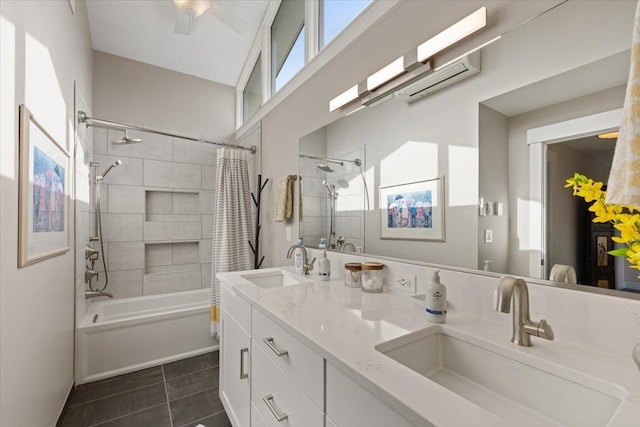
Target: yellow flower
(625, 219)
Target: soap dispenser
(324, 267)
(436, 300)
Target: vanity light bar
(461, 29)
(387, 73)
(344, 98)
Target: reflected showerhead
(331, 189)
(324, 167)
(126, 140)
(108, 169)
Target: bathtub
(124, 335)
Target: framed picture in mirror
(43, 217)
(413, 211)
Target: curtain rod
(106, 124)
(357, 162)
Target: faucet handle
(545, 331)
(309, 266)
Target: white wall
(531, 53)
(146, 95)
(494, 187)
(44, 49)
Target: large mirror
(508, 137)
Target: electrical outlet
(406, 282)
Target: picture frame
(413, 211)
(43, 196)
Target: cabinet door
(234, 371)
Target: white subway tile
(174, 175)
(122, 227)
(159, 283)
(207, 226)
(99, 141)
(186, 230)
(186, 253)
(159, 202)
(195, 152)
(126, 199)
(186, 203)
(206, 201)
(208, 178)
(125, 256)
(158, 254)
(206, 248)
(206, 275)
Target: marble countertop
(344, 325)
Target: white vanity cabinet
(351, 405)
(235, 357)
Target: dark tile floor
(177, 394)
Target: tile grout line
(124, 416)
(166, 393)
(203, 418)
(194, 393)
(191, 373)
(114, 394)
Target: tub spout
(95, 294)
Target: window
(252, 93)
(335, 15)
(287, 42)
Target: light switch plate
(488, 236)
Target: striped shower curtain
(232, 224)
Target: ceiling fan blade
(184, 23)
(228, 18)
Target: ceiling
(142, 30)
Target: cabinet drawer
(256, 419)
(349, 404)
(269, 386)
(301, 364)
(238, 308)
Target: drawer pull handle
(268, 400)
(243, 375)
(269, 342)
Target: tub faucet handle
(89, 274)
(90, 253)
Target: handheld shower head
(108, 169)
(126, 140)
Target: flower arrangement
(625, 219)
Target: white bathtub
(128, 334)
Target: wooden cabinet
(235, 388)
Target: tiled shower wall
(157, 213)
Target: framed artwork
(602, 250)
(43, 217)
(413, 211)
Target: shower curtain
(232, 224)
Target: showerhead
(324, 167)
(331, 189)
(108, 169)
(125, 140)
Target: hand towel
(283, 200)
(623, 187)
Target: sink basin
(492, 377)
(273, 279)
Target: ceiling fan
(190, 9)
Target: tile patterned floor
(177, 394)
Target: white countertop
(345, 324)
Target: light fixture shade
(385, 74)
(453, 34)
(195, 7)
(344, 98)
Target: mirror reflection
(506, 206)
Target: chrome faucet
(307, 266)
(509, 288)
(94, 294)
